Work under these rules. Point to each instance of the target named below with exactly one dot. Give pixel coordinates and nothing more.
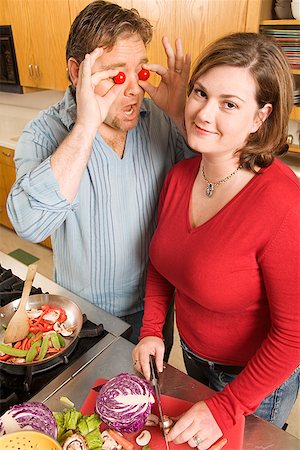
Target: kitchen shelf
(280, 22)
(293, 148)
(295, 114)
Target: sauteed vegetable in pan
(54, 324)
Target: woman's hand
(170, 94)
(92, 108)
(197, 427)
(147, 346)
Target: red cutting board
(171, 407)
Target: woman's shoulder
(283, 178)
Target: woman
(228, 242)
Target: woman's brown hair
(274, 84)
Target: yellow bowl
(28, 440)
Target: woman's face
(222, 111)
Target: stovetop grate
(11, 287)
(16, 388)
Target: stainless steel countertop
(116, 358)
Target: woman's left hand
(170, 94)
(197, 427)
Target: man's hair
(271, 72)
(100, 24)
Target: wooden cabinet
(41, 27)
(197, 22)
(7, 179)
(40, 30)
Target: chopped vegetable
(66, 401)
(121, 440)
(55, 340)
(143, 438)
(94, 439)
(32, 352)
(71, 421)
(29, 416)
(75, 442)
(71, 418)
(8, 350)
(44, 348)
(124, 402)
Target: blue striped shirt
(100, 240)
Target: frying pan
(74, 319)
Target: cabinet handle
(37, 70)
(30, 68)
(6, 154)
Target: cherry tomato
(120, 78)
(144, 74)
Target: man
(90, 168)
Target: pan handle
(92, 332)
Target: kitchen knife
(155, 381)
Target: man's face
(127, 55)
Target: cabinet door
(197, 22)
(40, 31)
(7, 179)
(77, 5)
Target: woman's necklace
(211, 186)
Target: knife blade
(155, 381)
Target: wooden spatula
(18, 326)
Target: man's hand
(170, 94)
(92, 108)
(197, 427)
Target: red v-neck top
(237, 280)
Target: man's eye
(230, 105)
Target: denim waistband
(235, 370)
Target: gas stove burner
(19, 383)
(11, 287)
(20, 386)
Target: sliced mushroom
(108, 442)
(75, 442)
(143, 438)
(17, 360)
(167, 424)
(62, 329)
(52, 316)
(34, 313)
(152, 420)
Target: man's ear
(73, 69)
(262, 114)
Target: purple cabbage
(29, 416)
(120, 415)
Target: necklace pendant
(209, 189)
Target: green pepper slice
(55, 341)
(44, 348)
(12, 351)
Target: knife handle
(154, 372)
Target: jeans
(135, 320)
(275, 408)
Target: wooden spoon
(18, 326)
